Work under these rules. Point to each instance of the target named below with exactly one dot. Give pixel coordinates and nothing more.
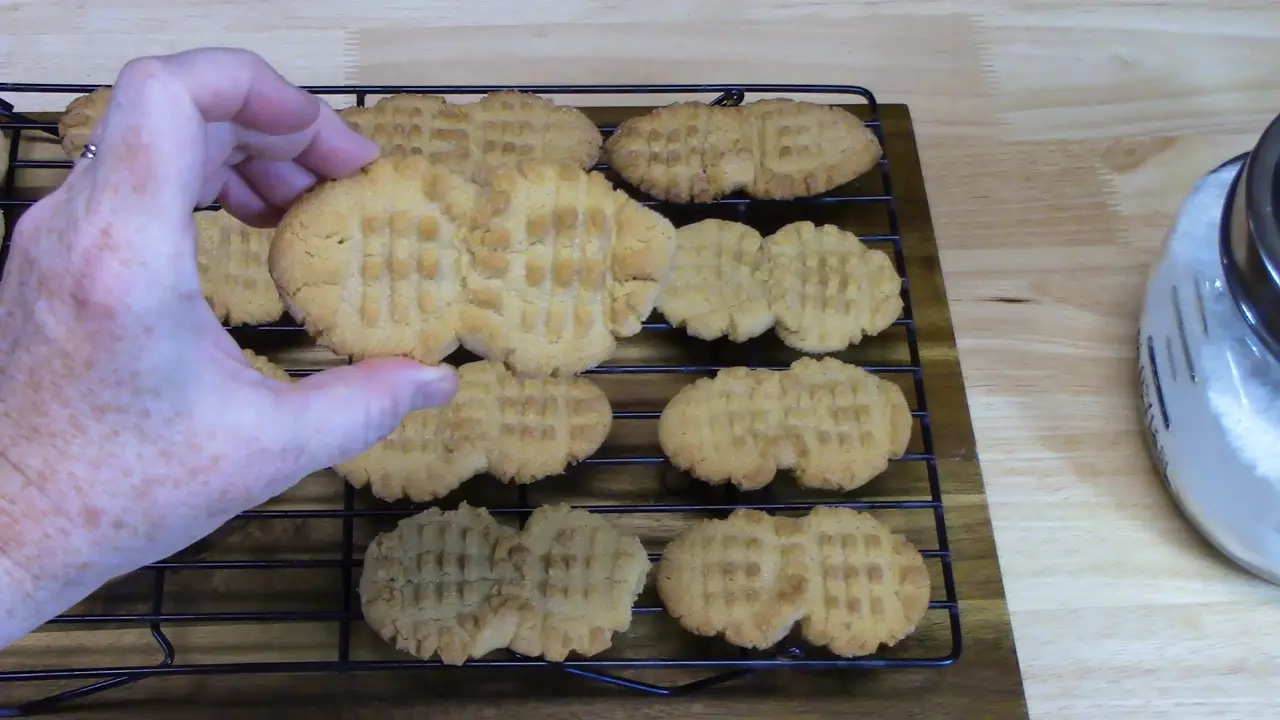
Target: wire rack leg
(45, 704)
(37, 707)
(661, 689)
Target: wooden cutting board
(985, 682)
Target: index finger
(231, 85)
(238, 86)
(154, 148)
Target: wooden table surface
(1057, 138)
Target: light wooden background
(1057, 137)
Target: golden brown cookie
(539, 426)
(774, 149)
(232, 260)
(371, 264)
(870, 586)
(266, 367)
(852, 583)
(518, 429)
(559, 266)
(827, 289)
(821, 286)
(543, 269)
(833, 424)
(461, 584)
(75, 126)
(718, 282)
(411, 124)
(685, 152)
(476, 138)
(579, 578)
(512, 126)
(746, 577)
(430, 454)
(432, 585)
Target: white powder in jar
(1242, 379)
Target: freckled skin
(131, 424)
(141, 178)
(93, 409)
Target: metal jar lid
(1250, 237)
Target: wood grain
(1057, 138)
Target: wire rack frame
(786, 656)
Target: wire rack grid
(721, 666)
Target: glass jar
(1209, 358)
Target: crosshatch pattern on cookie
(561, 264)
(408, 268)
(477, 138)
(461, 584)
(542, 269)
(718, 282)
(871, 586)
(851, 583)
(827, 289)
(580, 577)
(746, 579)
(818, 285)
(833, 424)
(775, 148)
(432, 584)
(518, 429)
(371, 264)
(231, 258)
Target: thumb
(334, 415)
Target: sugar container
(1209, 357)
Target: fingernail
(436, 386)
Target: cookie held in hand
(542, 269)
(560, 264)
(371, 265)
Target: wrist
(44, 567)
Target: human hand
(131, 424)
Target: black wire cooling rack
(720, 665)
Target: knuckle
(140, 71)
